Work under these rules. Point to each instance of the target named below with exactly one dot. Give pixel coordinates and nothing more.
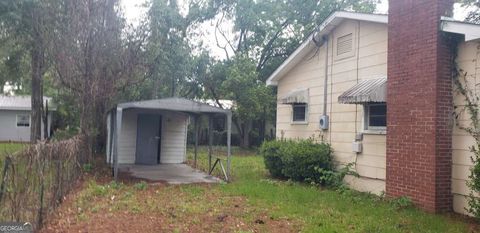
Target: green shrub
(88, 167)
(302, 158)
(299, 160)
(270, 150)
(401, 202)
(141, 186)
(333, 178)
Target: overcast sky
(134, 12)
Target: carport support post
(210, 141)
(229, 140)
(196, 120)
(118, 130)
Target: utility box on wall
(357, 147)
(324, 121)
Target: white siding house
(320, 82)
(15, 118)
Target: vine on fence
(35, 180)
(472, 127)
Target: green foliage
(88, 167)
(302, 159)
(96, 190)
(299, 160)
(67, 133)
(334, 178)
(401, 203)
(115, 185)
(474, 181)
(242, 85)
(270, 150)
(141, 186)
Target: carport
(154, 132)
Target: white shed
(155, 131)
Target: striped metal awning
(296, 96)
(367, 91)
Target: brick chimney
(419, 133)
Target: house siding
(346, 120)
(173, 142)
(468, 60)
(9, 130)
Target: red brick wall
(419, 104)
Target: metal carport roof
(174, 104)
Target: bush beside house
(298, 160)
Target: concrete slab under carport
(168, 173)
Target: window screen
(377, 115)
(299, 112)
(23, 120)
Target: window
(23, 120)
(299, 112)
(376, 116)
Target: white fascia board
(323, 29)
(470, 30)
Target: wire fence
(34, 181)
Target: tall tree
(94, 58)
(170, 61)
(26, 21)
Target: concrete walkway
(170, 173)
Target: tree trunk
(45, 121)
(244, 131)
(101, 125)
(37, 93)
(263, 126)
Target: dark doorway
(149, 128)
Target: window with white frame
(376, 116)
(23, 120)
(299, 113)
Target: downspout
(324, 122)
(325, 82)
(324, 119)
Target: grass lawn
(251, 203)
(7, 149)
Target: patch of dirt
(175, 209)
